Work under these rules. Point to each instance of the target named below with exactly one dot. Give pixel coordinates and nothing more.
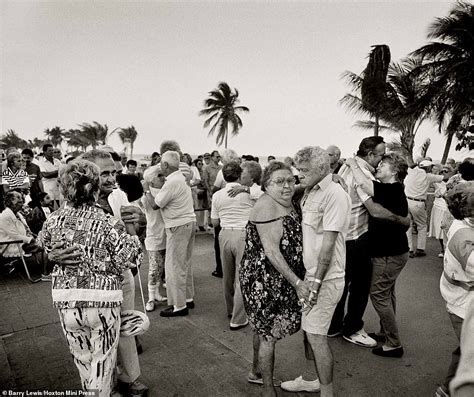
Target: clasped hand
(307, 294)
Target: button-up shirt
(232, 211)
(418, 182)
(326, 208)
(176, 201)
(359, 220)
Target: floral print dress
(270, 300)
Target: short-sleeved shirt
(176, 201)
(50, 185)
(388, 238)
(418, 182)
(14, 179)
(35, 176)
(326, 208)
(220, 182)
(359, 222)
(232, 211)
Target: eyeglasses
(280, 182)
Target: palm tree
(221, 110)
(406, 103)
(11, 140)
(128, 135)
(373, 88)
(54, 135)
(75, 138)
(95, 133)
(448, 64)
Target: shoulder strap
(269, 221)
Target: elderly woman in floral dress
(272, 270)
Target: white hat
(425, 163)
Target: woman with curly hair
(89, 295)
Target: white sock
(176, 309)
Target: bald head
(334, 155)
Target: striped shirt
(359, 218)
(14, 179)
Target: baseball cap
(425, 163)
(206, 155)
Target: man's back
(232, 211)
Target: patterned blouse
(14, 179)
(107, 250)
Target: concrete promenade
(198, 355)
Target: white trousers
(92, 335)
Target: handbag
(134, 322)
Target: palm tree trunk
(447, 147)
(376, 126)
(225, 143)
(131, 150)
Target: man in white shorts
(326, 209)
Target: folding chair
(21, 256)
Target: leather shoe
(420, 253)
(134, 389)
(169, 312)
(190, 305)
(216, 274)
(395, 353)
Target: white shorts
(318, 319)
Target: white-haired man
(334, 156)
(176, 204)
(326, 208)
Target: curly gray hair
(80, 182)
(460, 200)
(317, 157)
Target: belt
(415, 199)
(467, 285)
(233, 228)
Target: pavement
(198, 355)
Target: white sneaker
(150, 306)
(299, 384)
(361, 338)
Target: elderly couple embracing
(292, 271)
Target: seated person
(13, 227)
(41, 208)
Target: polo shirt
(176, 201)
(232, 211)
(326, 208)
(418, 182)
(359, 218)
(50, 185)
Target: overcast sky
(151, 64)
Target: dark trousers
(356, 289)
(217, 251)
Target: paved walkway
(198, 355)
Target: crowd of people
(299, 244)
